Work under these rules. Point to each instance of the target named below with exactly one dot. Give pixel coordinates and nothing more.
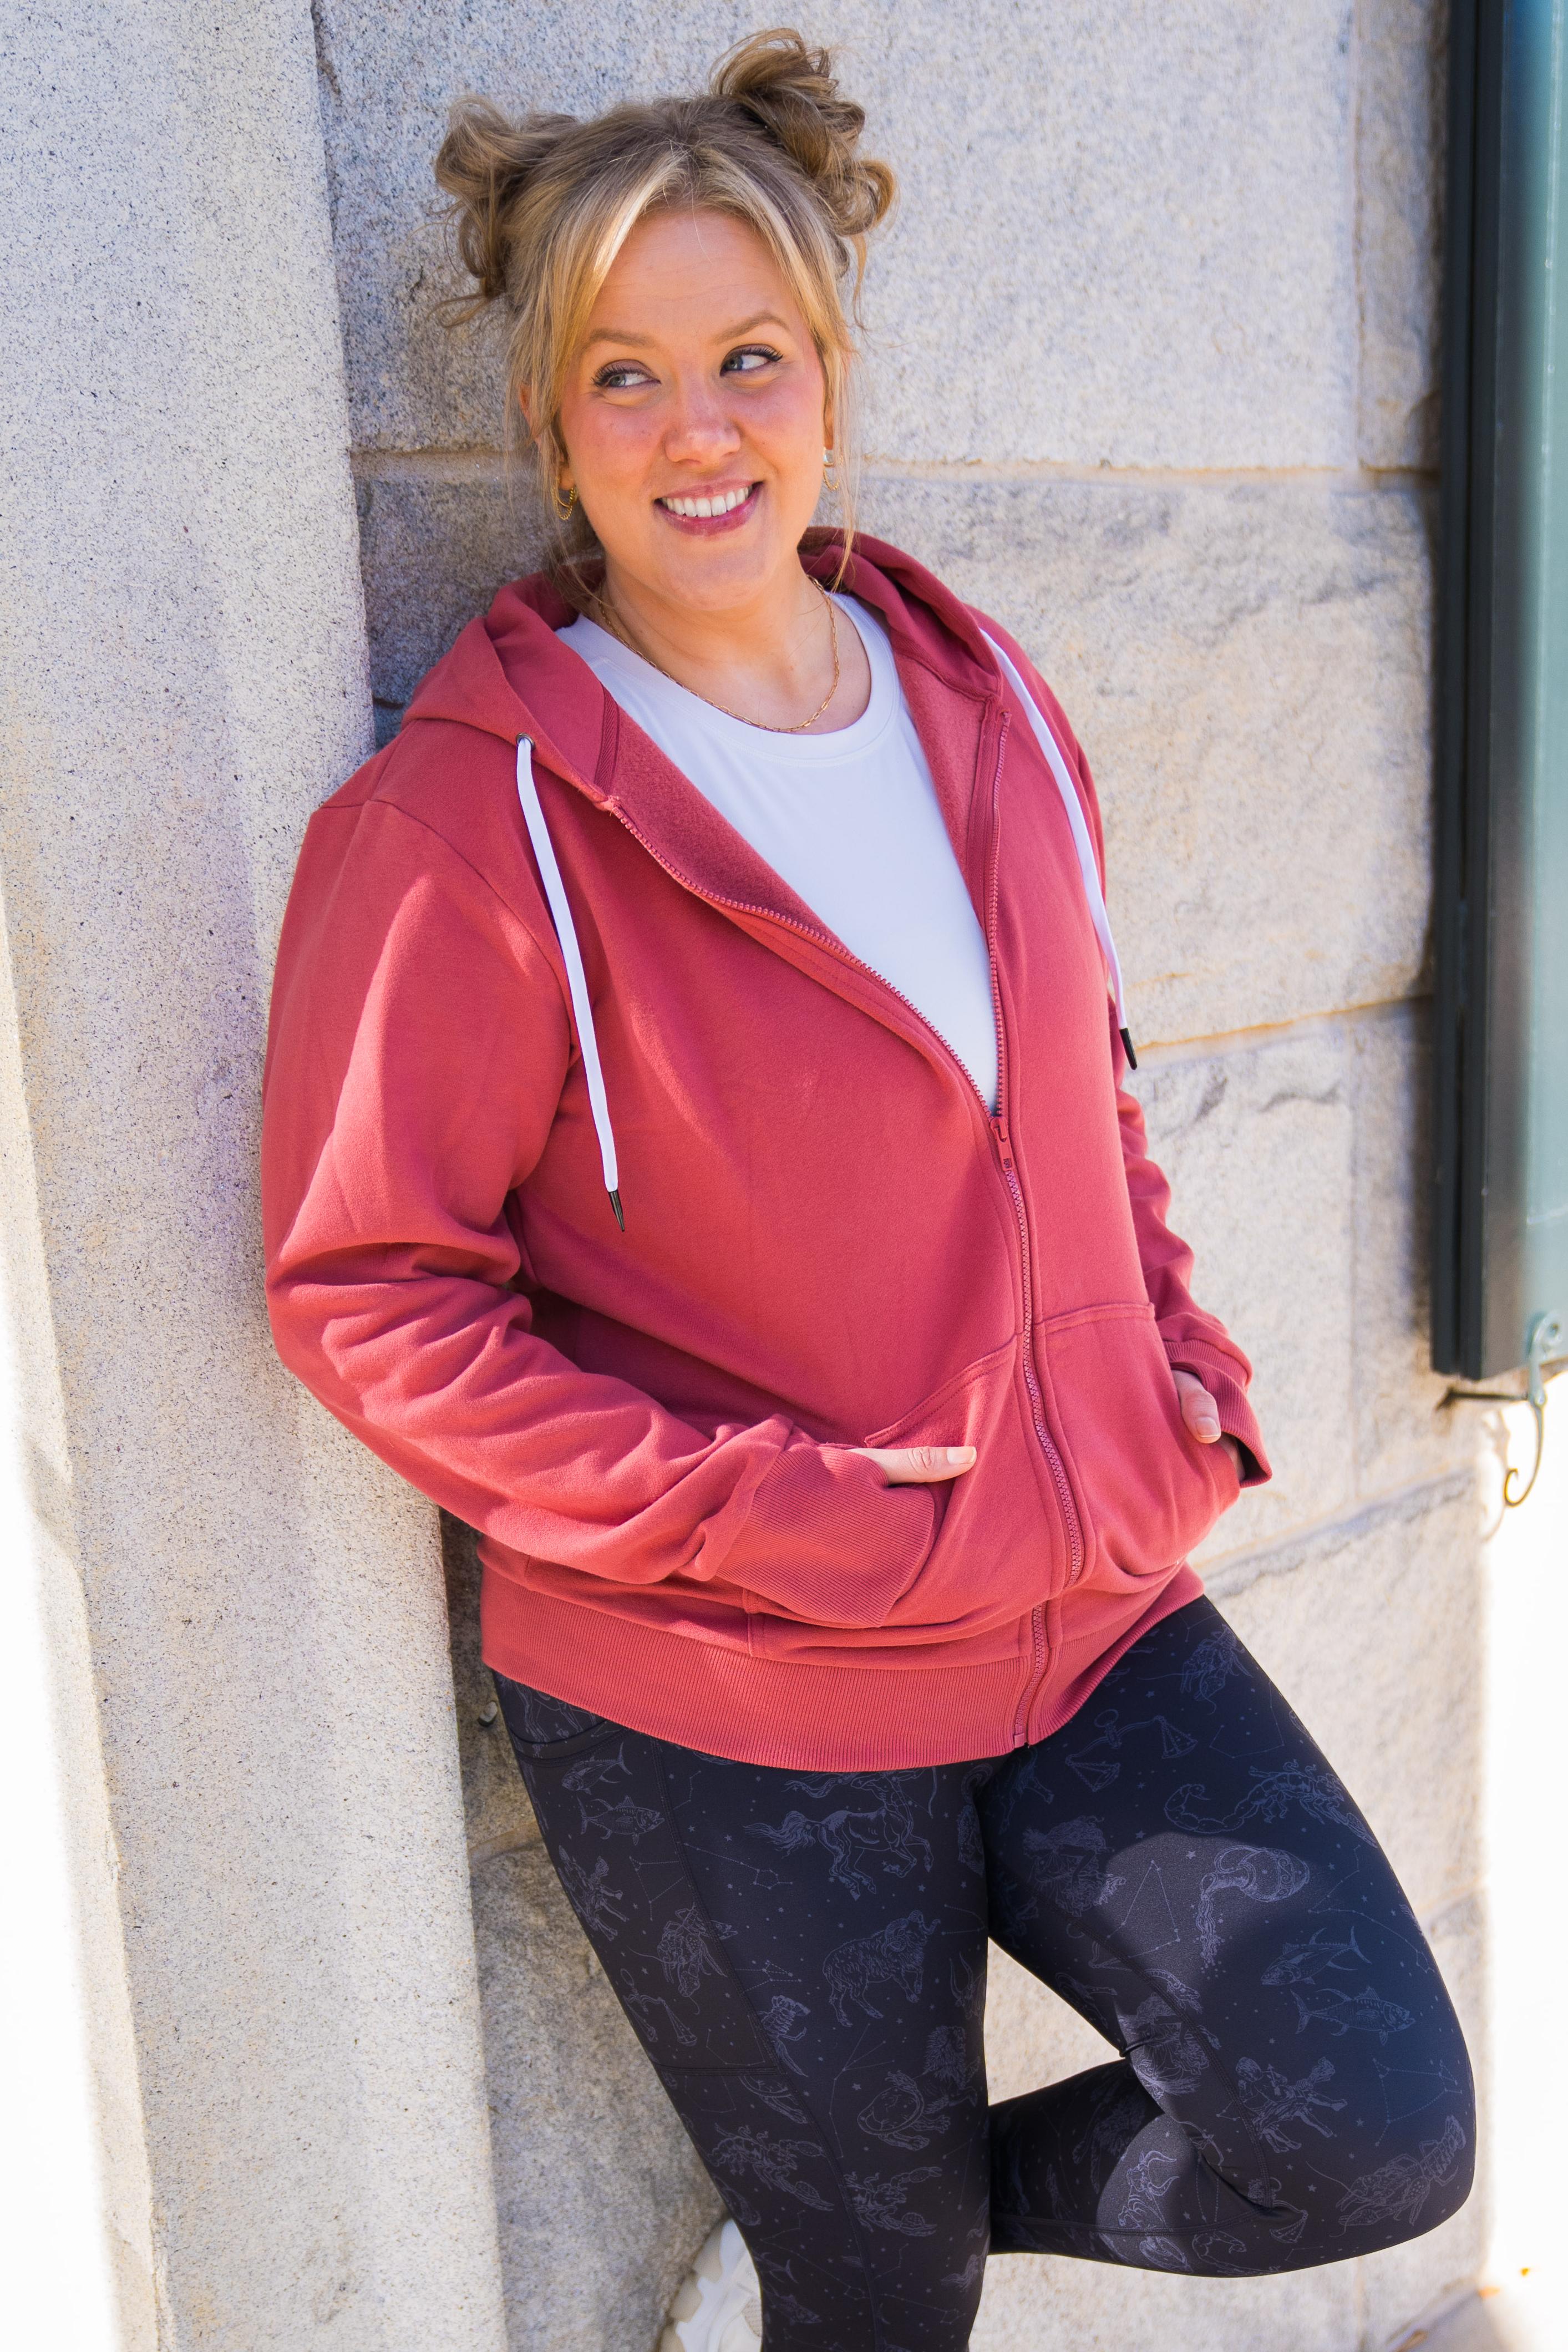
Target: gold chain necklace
(618, 629)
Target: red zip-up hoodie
(829, 1239)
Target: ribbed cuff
(827, 1540)
(1236, 1418)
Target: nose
(700, 430)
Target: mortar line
(1049, 470)
(488, 464)
(1154, 1051)
(1236, 1572)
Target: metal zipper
(995, 1123)
(998, 1126)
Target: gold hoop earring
(829, 478)
(563, 513)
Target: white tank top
(851, 821)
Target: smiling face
(694, 417)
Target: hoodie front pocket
(1151, 1491)
(991, 1556)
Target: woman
(696, 1156)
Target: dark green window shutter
(1501, 1227)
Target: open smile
(724, 508)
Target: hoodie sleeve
(1194, 1341)
(418, 1047)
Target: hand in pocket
(919, 1466)
(1200, 1416)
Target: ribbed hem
(1080, 1662)
(810, 1717)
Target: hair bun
(485, 165)
(792, 91)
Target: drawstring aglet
(615, 1204)
(1127, 1049)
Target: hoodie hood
(508, 674)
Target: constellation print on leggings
(803, 1957)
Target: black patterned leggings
(803, 1957)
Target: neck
(772, 658)
(774, 634)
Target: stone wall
(256, 1776)
(1152, 378)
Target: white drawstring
(576, 979)
(1080, 841)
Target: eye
(622, 375)
(750, 360)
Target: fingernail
(957, 1454)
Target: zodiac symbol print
(909, 2114)
(1166, 2055)
(1398, 2190)
(1097, 1769)
(592, 1898)
(1304, 1963)
(1260, 1873)
(1352, 2012)
(646, 2008)
(1269, 1799)
(882, 1828)
(894, 1955)
(899, 2109)
(1271, 2102)
(775, 2163)
(1210, 1665)
(776, 2095)
(618, 1817)
(783, 2021)
(685, 1954)
(1148, 2183)
(880, 2203)
(1068, 1864)
(596, 1767)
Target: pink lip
(712, 526)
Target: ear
(537, 433)
(547, 443)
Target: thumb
(1199, 1410)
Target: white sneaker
(720, 2307)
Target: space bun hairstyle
(541, 207)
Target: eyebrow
(743, 327)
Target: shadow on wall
(601, 2197)
(488, 531)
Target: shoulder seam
(549, 953)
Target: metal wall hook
(1545, 1340)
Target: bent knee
(1416, 2176)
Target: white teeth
(725, 503)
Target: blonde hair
(542, 206)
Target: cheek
(787, 420)
(610, 446)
